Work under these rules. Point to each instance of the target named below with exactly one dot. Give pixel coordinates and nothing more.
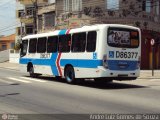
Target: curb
(148, 78)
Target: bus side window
(78, 42)
(24, 47)
(64, 43)
(41, 45)
(91, 41)
(33, 45)
(52, 44)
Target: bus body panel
(86, 64)
(120, 64)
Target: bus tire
(31, 72)
(69, 75)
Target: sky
(7, 17)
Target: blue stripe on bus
(45, 62)
(123, 65)
(62, 32)
(50, 62)
(53, 63)
(83, 63)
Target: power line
(6, 27)
(14, 27)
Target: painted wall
(4, 56)
(7, 42)
(14, 56)
(31, 1)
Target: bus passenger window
(78, 42)
(52, 44)
(91, 41)
(32, 45)
(64, 45)
(41, 45)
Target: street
(119, 39)
(20, 94)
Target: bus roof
(81, 29)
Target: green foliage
(17, 45)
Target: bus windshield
(123, 38)
(24, 48)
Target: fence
(4, 56)
(14, 56)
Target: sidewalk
(147, 74)
(144, 74)
(8, 65)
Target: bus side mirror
(21, 45)
(21, 50)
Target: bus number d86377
(126, 54)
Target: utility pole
(153, 55)
(35, 16)
(21, 28)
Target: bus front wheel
(69, 75)
(31, 72)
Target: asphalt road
(20, 94)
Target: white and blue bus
(101, 52)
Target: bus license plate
(126, 54)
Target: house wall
(26, 21)
(94, 11)
(46, 18)
(26, 2)
(4, 56)
(7, 44)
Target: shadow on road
(92, 84)
(112, 85)
(9, 94)
(12, 84)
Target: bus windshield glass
(123, 38)
(24, 47)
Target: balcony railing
(31, 2)
(27, 20)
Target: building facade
(25, 14)
(46, 18)
(7, 42)
(144, 14)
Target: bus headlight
(105, 63)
